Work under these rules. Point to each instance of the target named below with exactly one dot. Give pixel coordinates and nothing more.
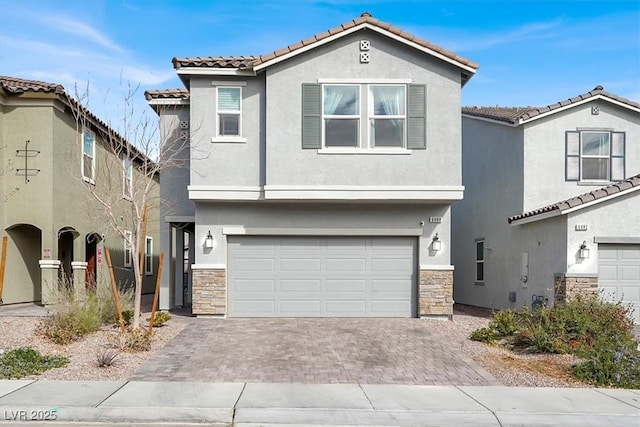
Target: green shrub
(505, 322)
(24, 361)
(160, 318)
(127, 316)
(486, 335)
(607, 366)
(138, 340)
(74, 317)
(106, 357)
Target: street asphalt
(25, 403)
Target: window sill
(595, 183)
(229, 139)
(479, 283)
(384, 151)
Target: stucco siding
(544, 155)
(289, 164)
(227, 163)
(492, 176)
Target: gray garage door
(619, 275)
(321, 276)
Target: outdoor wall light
(584, 250)
(436, 244)
(208, 241)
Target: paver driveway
(372, 351)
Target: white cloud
(72, 26)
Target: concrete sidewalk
(250, 404)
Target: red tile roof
(166, 94)
(517, 115)
(591, 196)
(248, 62)
(15, 85)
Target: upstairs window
(229, 100)
(127, 249)
(364, 117)
(595, 155)
(127, 185)
(88, 155)
(148, 257)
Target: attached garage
(619, 275)
(311, 276)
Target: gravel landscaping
(508, 368)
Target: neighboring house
(547, 211)
(55, 229)
(321, 177)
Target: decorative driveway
(368, 351)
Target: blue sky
(530, 52)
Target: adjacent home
(52, 151)
(551, 205)
(319, 178)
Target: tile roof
(591, 196)
(166, 94)
(248, 62)
(517, 115)
(16, 85)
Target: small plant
(106, 357)
(136, 340)
(160, 318)
(485, 335)
(505, 322)
(24, 361)
(609, 367)
(127, 316)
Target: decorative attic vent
(364, 45)
(184, 135)
(595, 110)
(364, 57)
(184, 124)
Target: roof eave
(578, 103)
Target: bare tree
(127, 191)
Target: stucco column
(50, 270)
(79, 278)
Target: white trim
(364, 80)
(79, 265)
(208, 192)
(623, 240)
(227, 83)
(354, 29)
(437, 267)
(494, 121)
(168, 101)
(180, 218)
(33, 102)
(248, 231)
(350, 150)
(201, 71)
(208, 267)
(559, 212)
(289, 192)
(228, 139)
(49, 264)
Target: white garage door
(619, 275)
(321, 276)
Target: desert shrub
(106, 357)
(75, 316)
(607, 366)
(137, 340)
(24, 361)
(160, 318)
(505, 322)
(486, 335)
(127, 316)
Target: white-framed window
(595, 155)
(479, 261)
(88, 155)
(128, 261)
(148, 256)
(127, 178)
(229, 111)
(381, 106)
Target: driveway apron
(368, 351)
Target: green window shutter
(572, 159)
(417, 117)
(311, 115)
(617, 156)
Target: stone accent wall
(566, 288)
(209, 292)
(436, 293)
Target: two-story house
(551, 205)
(320, 177)
(52, 150)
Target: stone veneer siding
(209, 292)
(566, 288)
(436, 293)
